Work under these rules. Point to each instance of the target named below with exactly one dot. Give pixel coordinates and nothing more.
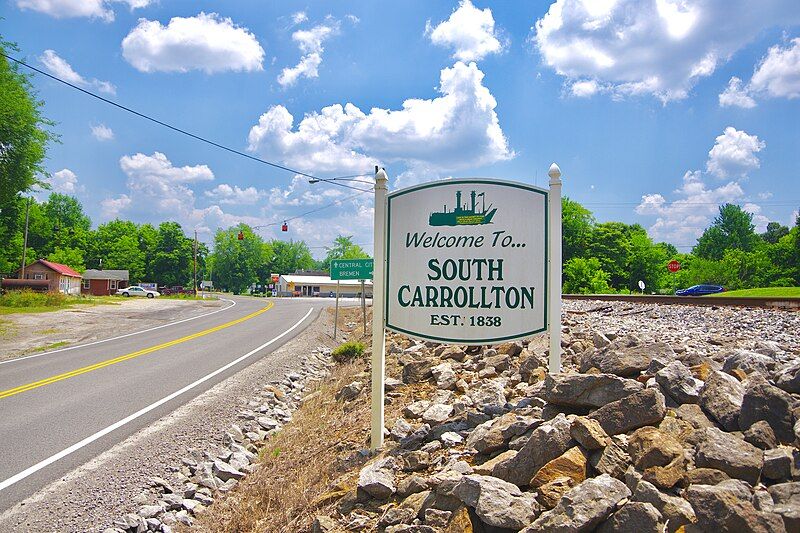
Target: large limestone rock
(633, 517)
(445, 376)
(496, 502)
(786, 500)
(587, 390)
(676, 511)
(417, 370)
(583, 507)
(588, 433)
(729, 453)
(763, 401)
(722, 508)
(546, 442)
(643, 408)
(572, 465)
(613, 459)
(678, 383)
(721, 398)
(748, 362)
(788, 378)
(626, 357)
(494, 434)
(659, 456)
(377, 479)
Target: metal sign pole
(336, 314)
(363, 307)
(554, 200)
(378, 333)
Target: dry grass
(310, 465)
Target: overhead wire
(185, 132)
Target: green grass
(766, 292)
(187, 297)
(52, 346)
(26, 301)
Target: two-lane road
(61, 409)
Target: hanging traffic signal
(285, 226)
(240, 236)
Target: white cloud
(60, 68)
(658, 47)
(458, 129)
(204, 42)
(310, 44)
(584, 88)
(100, 9)
(112, 208)
(685, 219)
(736, 95)
(299, 17)
(352, 18)
(65, 182)
(301, 193)
(101, 132)
(778, 74)
(235, 195)
(469, 31)
(734, 152)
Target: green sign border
(365, 264)
(513, 184)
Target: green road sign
(351, 269)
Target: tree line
(614, 256)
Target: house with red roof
(46, 275)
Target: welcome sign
(466, 261)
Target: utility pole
(25, 240)
(194, 279)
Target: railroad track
(720, 301)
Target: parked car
(135, 290)
(700, 290)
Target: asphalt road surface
(61, 409)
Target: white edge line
(103, 432)
(121, 336)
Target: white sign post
(466, 261)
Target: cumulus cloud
(65, 182)
(469, 31)
(100, 9)
(235, 195)
(310, 44)
(206, 42)
(736, 95)
(101, 132)
(299, 17)
(458, 129)
(776, 76)
(685, 219)
(60, 68)
(656, 47)
(734, 153)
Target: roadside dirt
(27, 333)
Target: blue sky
(656, 110)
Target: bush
(348, 351)
(29, 298)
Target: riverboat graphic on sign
(462, 215)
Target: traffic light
(285, 226)
(240, 236)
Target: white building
(308, 285)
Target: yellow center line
(109, 362)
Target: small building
(59, 278)
(320, 285)
(104, 282)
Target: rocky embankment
(664, 418)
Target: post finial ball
(554, 172)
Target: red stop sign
(673, 266)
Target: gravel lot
(28, 333)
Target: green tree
(172, 261)
(343, 248)
(237, 262)
(290, 256)
(732, 229)
(585, 276)
(72, 257)
(148, 241)
(775, 230)
(646, 262)
(609, 244)
(24, 137)
(70, 225)
(577, 223)
(115, 246)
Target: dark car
(700, 290)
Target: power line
(184, 132)
(301, 215)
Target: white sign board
(467, 261)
